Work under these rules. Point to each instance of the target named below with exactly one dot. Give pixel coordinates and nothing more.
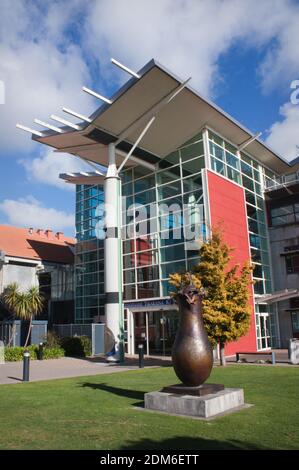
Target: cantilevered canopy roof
(278, 296)
(132, 107)
(83, 177)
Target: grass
(99, 412)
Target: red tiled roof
(42, 245)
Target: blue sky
(241, 54)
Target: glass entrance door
(156, 331)
(265, 332)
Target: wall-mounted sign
(150, 304)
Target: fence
(94, 331)
(13, 333)
(10, 333)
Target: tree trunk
(29, 331)
(222, 355)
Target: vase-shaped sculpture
(192, 353)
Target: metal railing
(283, 180)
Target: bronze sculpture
(192, 353)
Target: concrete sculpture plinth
(205, 406)
(193, 361)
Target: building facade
(183, 166)
(205, 182)
(282, 198)
(39, 258)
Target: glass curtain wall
(244, 170)
(89, 256)
(160, 212)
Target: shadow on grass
(122, 392)
(190, 443)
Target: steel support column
(113, 259)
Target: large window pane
(232, 160)
(145, 258)
(169, 190)
(149, 273)
(194, 150)
(145, 197)
(233, 175)
(147, 290)
(193, 166)
(217, 166)
(144, 183)
(246, 169)
(168, 175)
(170, 268)
(247, 183)
(217, 151)
(172, 253)
(193, 183)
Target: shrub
(78, 346)
(52, 340)
(16, 353)
(53, 353)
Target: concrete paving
(11, 372)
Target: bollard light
(40, 355)
(26, 362)
(141, 356)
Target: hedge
(16, 353)
(53, 353)
(77, 346)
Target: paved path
(11, 372)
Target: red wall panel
(227, 208)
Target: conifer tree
(226, 310)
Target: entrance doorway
(156, 330)
(265, 337)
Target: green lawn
(99, 412)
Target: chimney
(49, 233)
(59, 235)
(30, 230)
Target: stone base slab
(207, 406)
(199, 391)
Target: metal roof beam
(96, 95)
(49, 126)
(65, 122)
(247, 142)
(123, 67)
(78, 115)
(31, 131)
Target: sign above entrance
(151, 304)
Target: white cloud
(46, 168)
(42, 70)
(281, 65)
(284, 134)
(47, 50)
(27, 212)
(191, 36)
